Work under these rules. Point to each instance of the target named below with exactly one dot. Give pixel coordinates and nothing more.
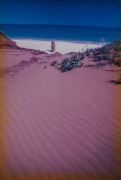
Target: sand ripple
(60, 123)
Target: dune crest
(4, 41)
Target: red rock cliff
(5, 42)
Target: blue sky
(59, 12)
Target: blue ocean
(59, 32)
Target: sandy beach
(62, 47)
(58, 122)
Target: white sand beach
(61, 46)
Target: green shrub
(117, 45)
(2, 34)
(70, 63)
(118, 63)
(53, 63)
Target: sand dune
(60, 122)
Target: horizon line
(98, 26)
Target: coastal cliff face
(5, 42)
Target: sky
(61, 12)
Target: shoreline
(60, 40)
(63, 47)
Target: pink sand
(60, 122)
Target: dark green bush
(117, 45)
(70, 63)
(118, 63)
(53, 63)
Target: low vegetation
(2, 34)
(108, 54)
(117, 45)
(53, 63)
(117, 61)
(71, 63)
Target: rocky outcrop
(5, 42)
